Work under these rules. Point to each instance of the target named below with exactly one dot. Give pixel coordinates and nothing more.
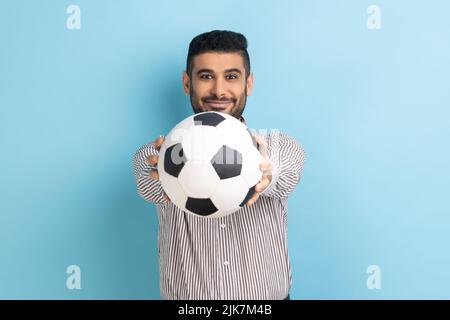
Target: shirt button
(223, 225)
(225, 263)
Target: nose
(218, 89)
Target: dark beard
(236, 110)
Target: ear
(250, 84)
(186, 83)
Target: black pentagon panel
(174, 160)
(250, 194)
(256, 144)
(203, 207)
(208, 119)
(227, 163)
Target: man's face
(218, 83)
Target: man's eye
(206, 76)
(232, 76)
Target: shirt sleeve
(288, 158)
(148, 188)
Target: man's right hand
(153, 159)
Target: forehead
(218, 61)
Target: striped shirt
(241, 256)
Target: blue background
(370, 107)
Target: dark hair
(219, 41)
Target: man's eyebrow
(212, 71)
(233, 70)
(204, 71)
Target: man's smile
(217, 104)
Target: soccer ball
(209, 164)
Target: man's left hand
(266, 168)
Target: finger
(262, 185)
(159, 141)
(262, 145)
(154, 174)
(258, 186)
(152, 159)
(253, 199)
(255, 195)
(265, 166)
(266, 171)
(166, 196)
